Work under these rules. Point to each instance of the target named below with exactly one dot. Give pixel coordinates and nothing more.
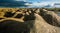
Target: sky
(41, 2)
(37, 2)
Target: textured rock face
(11, 26)
(41, 26)
(32, 21)
(42, 23)
(51, 18)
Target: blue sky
(38, 3)
(41, 0)
(42, 3)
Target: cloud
(21, 0)
(42, 4)
(12, 3)
(37, 4)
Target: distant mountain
(57, 5)
(47, 6)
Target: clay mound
(41, 26)
(11, 26)
(51, 17)
(35, 21)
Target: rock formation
(31, 21)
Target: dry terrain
(28, 20)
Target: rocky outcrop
(51, 17)
(31, 21)
(41, 26)
(12, 26)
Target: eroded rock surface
(30, 21)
